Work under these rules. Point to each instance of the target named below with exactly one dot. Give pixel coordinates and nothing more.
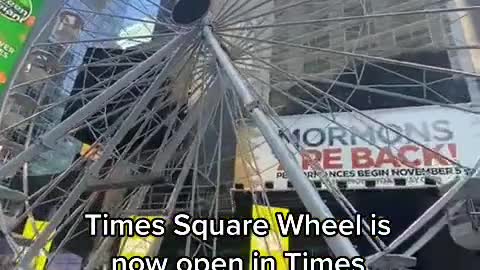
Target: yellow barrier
(136, 246)
(30, 232)
(274, 244)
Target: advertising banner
(431, 142)
(274, 244)
(17, 18)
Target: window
(32, 92)
(357, 8)
(316, 66)
(21, 110)
(359, 30)
(352, 32)
(353, 10)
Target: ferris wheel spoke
(97, 256)
(50, 138)
(168, 146)
(213, 99)
(140, 10)
(42, 193)
(100, 40)
(426, 217)
(94, 169)
(139, 107)
(84, 67)
(418, 83)
(264, 14)
(370, 89)
(134, 19)
(341, 199)
(145, 180)
(258, 6)
(311, 199)
(351, 18)
(68, 236)
(338, 195)
(167, 24)
(235, 6)
(363, 56)
(356, 111)
(320, 114)
(270, 67)
(219, 10)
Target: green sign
(17, 18)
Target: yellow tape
(84, 150)
(274, 244)
(136, 246)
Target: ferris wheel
(146, 108)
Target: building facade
(419, 38)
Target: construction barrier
(136, 246)
(274, 244)
(30, 232)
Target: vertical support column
(339, 245)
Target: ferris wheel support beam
(340, 246)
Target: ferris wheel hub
(187, 12)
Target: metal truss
(163, 114)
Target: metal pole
(339, 245)
(428, 215)
(96, 166)
(429, 235)
(12, 195)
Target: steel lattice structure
(157, 108)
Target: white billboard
(431, 142)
